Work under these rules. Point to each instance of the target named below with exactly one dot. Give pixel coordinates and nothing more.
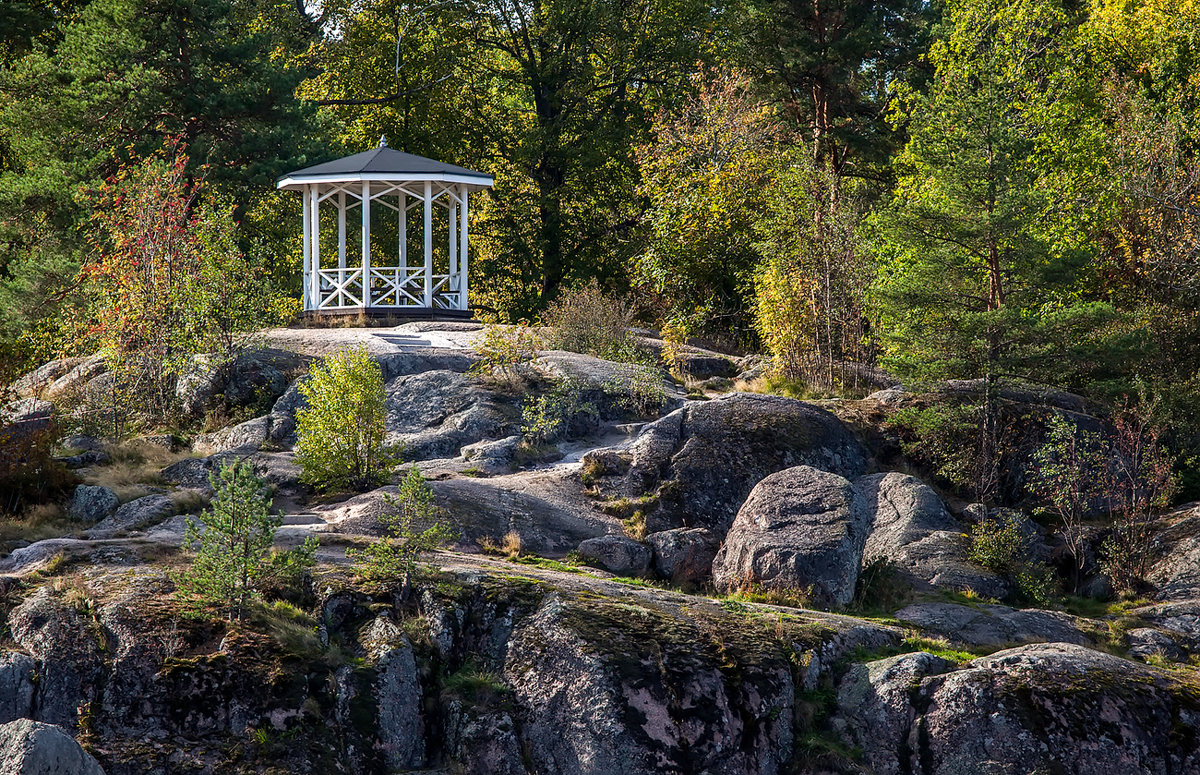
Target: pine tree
(233, 544)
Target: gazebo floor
(378, 317)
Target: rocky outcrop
(1176, 570)
(31, 748)
(134, 515)
(76, 381)
(914, 532)
(18, 676)
(92, 504)
(801, 529)
(254, 378)
(33, 384)
(436, 413)
(684, 555)
(700, 462)
(993, 625)
(1052, 707)
(617, 554)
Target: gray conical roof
(383, 163)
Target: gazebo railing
(389, 287)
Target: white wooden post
(366, 243)
(463, 299)
(452, 219)
(314, 211)
(305, 275)
(341, 233)
(403, 236)
(428, 244)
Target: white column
(463, 299)
(341, 231)
(403, 235)
(366, 243)
(314, 212)
(305, 280)
(428, 244)
(452, 219)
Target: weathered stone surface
(246, 437)
(27, 416)
(703, 460)
(436, 413)
(33, 384)
(75, 380)
(873, 705)
(276, 468)
(256, 377)
(492, 457)
(913, 530)
(606, 690)
(801, 529)
(1051, 707)
(1147, 642)
(92, 503)
(134, 515)
(31, 748)
(397, 693)
(684, 555)
(18, 672)
(619, 554)
(993, 625)
(1176, 570)
(67, 647)
(39, 553)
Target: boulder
(993, 625)
(255, 377)
(622, 689)
(247, 436)
(92, 503)
(18, 678)
(1053, 707)
(1146, 643)
(27, 416)
(33, 384)
(76, 380)
(66, 644)
(873, 703)
(801, 529)
(702, 460)
(275, 468)
(1175, 573)
(134, 515)
(32, 748)
(618, 554)
(684, 555)
(397, 694)
(492, 457)
(436, 413)
(913, 530)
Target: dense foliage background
(995, 189)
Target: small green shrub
(640, 390)
(340, 435)
(505, 354)
(412, 526)
(585, 320)
(546, 417)
(231, 553)
(1000, 545)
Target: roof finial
(383, 141)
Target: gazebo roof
(383, 164)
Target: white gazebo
(372, 193)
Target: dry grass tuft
(45, 520)
(133, 468)
(511, 545)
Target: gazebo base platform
(379, 317)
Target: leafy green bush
(585, 320)
(340, 436)
(412, 526)
(1000, 545)
(546, 417)
(232, 549)
(505, 354)
(640, 392)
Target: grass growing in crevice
(475, 684)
